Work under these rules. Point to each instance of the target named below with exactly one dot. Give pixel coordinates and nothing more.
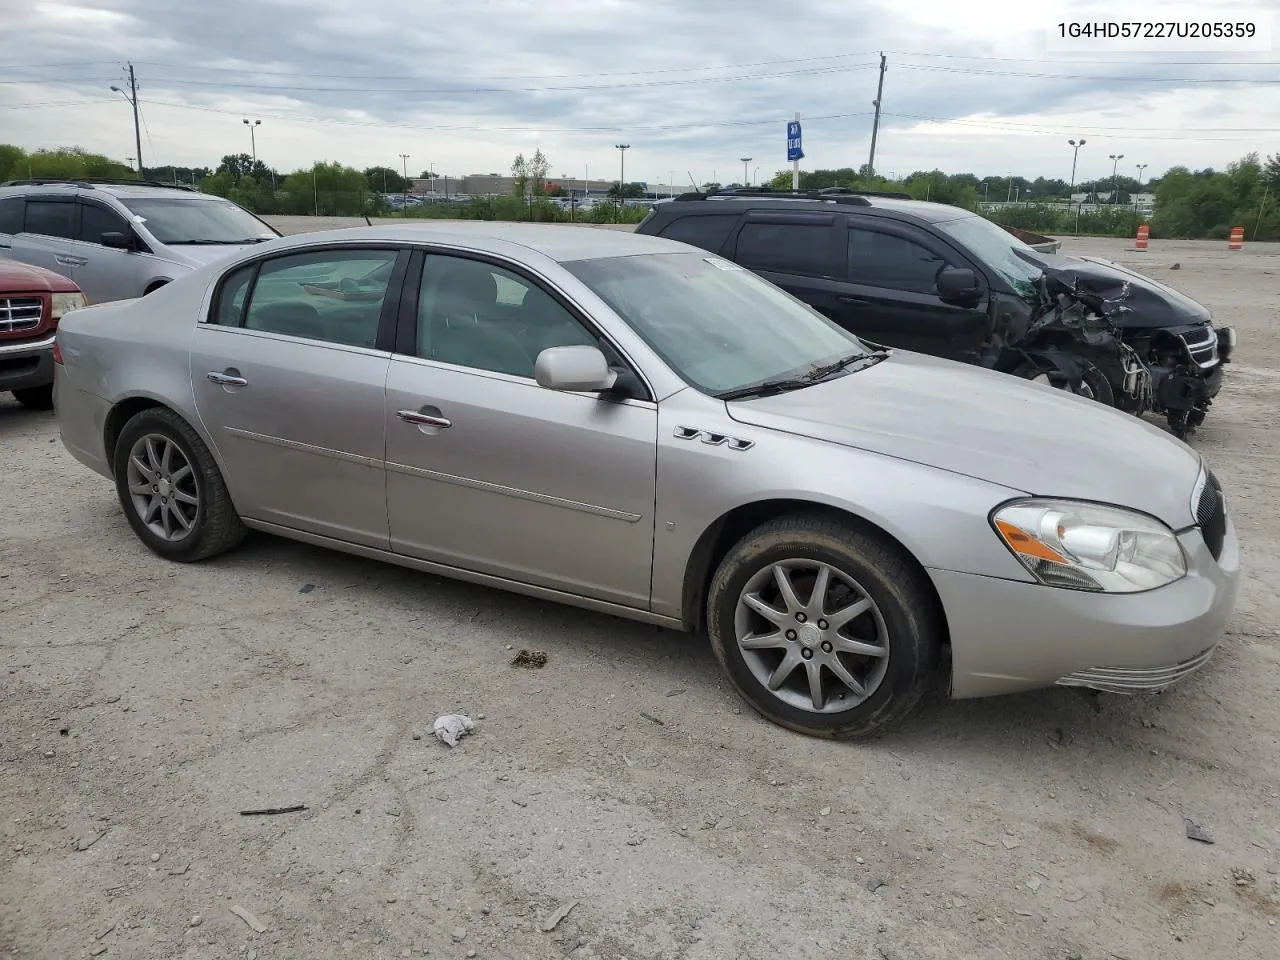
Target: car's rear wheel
(824, 627)
(35, 398)
(171, 490)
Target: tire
(903, 620)
(1094, 384)
(213, 525)
(35, 398)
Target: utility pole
(132, 97)
(1115, 159)
(622, 172)
(875, 124)
(746, 179)
(1075, 156)
(253, 140)
(404, 200)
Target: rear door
(889, 291)
(710, 231)
(105, 273)
(796, 251)
(49, 230)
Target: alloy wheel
(162, 487)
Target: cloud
(691, 86)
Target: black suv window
(708, 231)
(879, 259)
(96, 220)
(51, 218)
(785, 247)
(11, 214)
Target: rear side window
(708, 231)
(11, 211)
(229, 309)
(879, 259)
(51, 218)
(785, 247)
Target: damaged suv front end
(1157, 348)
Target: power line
(1073, 128)
(1075, 76)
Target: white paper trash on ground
(452, 727)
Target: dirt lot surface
(144, 704)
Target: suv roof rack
(90, 182)
(835, 194)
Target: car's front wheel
(171, 489)
(824, 627)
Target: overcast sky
(692, 86)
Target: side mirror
(580, 368)
(958, 285)
(116, 240)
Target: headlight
(64, 303)
(1083, 546)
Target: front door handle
(68, 261)
(225, 379)
(849, 298)
(423, 419)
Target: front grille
(1136, 679)
(1202, 344)
(20, 314)
(1211, 515)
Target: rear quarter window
(708, 231)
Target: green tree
(385, 180)
(520, 172)
(12, 166)
(327, 189)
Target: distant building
(498, 185)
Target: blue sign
(793, 141)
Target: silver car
(633, 425)
(119, 240)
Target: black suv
(940, 280)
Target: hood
(18, 277)
(994, 427)
(1148, 303)
(197, 255)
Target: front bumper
(1008, 636)
(26, 364)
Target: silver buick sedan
(632, 425)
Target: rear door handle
(226, 379)
(423, 419)
(849, 298)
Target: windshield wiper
(768, 388)
(213, 243)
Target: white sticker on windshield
(138, 218)
(722, 264)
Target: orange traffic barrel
(1237, 239)
(1144, 233)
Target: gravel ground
(144, 704)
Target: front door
(489, 472)
(105, 273)
(889, 294)
(289, 382)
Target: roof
(560, 242)
(118, 188)
(870, 205)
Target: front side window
(333, 295)
(51, 218)
(998, 248)
(191, 220)
(800, 248)
(479, 315)
(719, 327)
(878, 259)
(708, 231)
(96, 220)
(11, 214)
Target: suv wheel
(171, 489)
(822, 627)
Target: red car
(32, 301)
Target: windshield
(996, 247)
(174, 220)
(718, 326)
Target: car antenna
(694, 182)
(367, 221)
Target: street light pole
(253, 140)
(1141, 167)
(404, 163)
(746, 180)
(132, 97)
(622, 172)
(1115, 159)
(1074, 156)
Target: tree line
(1194, 204)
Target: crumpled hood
(1149, 302)
(992, 426)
